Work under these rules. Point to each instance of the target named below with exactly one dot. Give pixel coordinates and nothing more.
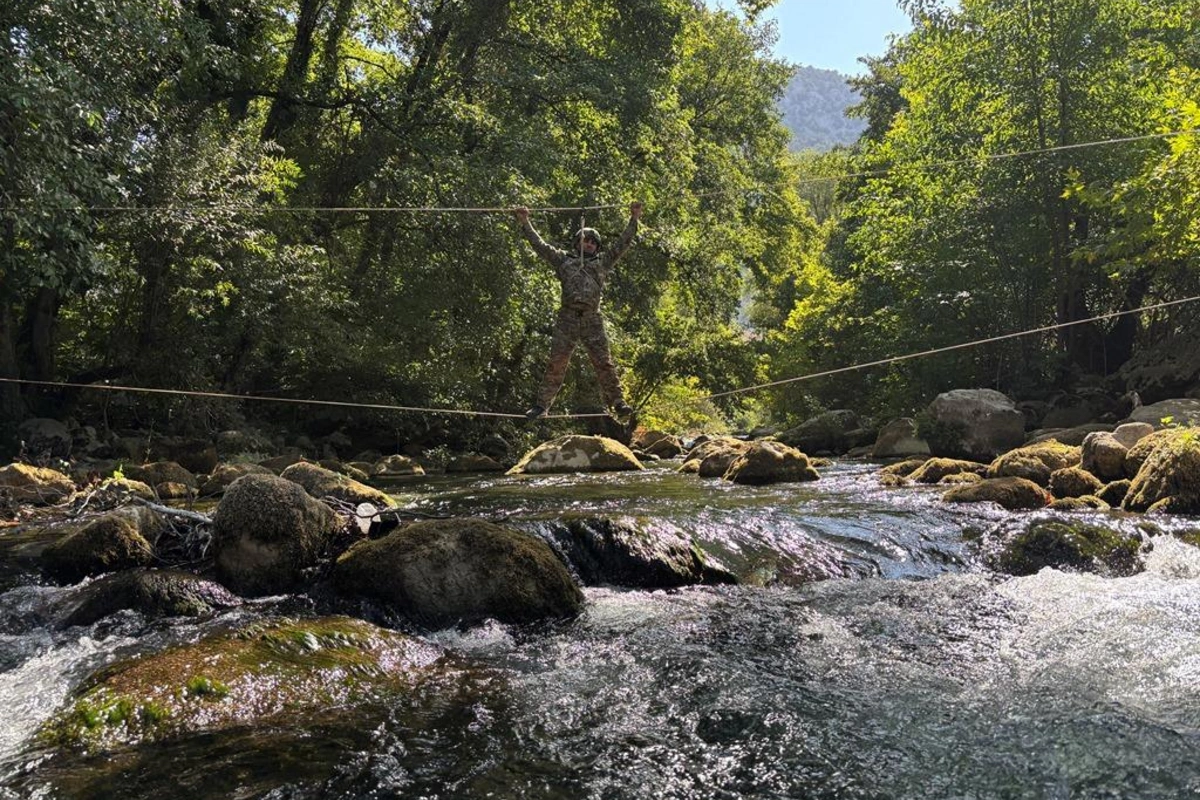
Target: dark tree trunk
(282, 115)
(37, 335)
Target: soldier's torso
(582, 280)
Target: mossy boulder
(1024, 549)
(34, 485)
(155, 593)
(960, 478)
(657, 443)
(770, 462)
(1074, 482)
(280, 674)
(443, 572)
(1014, 494)
(1169, 480)
(1137, 455)
(711, 458)
(903, 468)
(160, 472)
(1035, 462)
(1087, 502)
(396, 466)
(577, 454)
(266, 532)
(934, 469)
(321, 483)
(115, 491)
(114, 541)
(634, 552)
(225, 474)
(1104, 456)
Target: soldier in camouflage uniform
(582, 274)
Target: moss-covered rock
(657, 443)
(442, 572)
(266, 532)
(1114, 492)
(1169, 480)
(1074, 482)
(155, 593)
(960, 478)
(34, 485)
(634, 552)
(577, 454)
(770, 462)
(1066, 545)
(114, 541)
(225, 474)
(1086, 502)
(396, 466)
(321, 483)
(288, 672)
(473, 462)
(1014, 494)
(711, 458)
(934, 469)
(1035, 462)
(1104, 456)
(159, 472)
(903, 468)
(1137, 455)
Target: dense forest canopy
(169, 170)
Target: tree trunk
(282, 115)
(12, 409)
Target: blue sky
(832, 35)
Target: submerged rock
(1014, 494)
(155, 593)
(1087, 502)
(577, 454)
(321, 483)
(1025, 549)
(266, 532)
(114, 541)
(473, 463)
(770, 462)
(443, 572)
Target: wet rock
(155, 593)
(1131, 433)
(160, 472)
(474, 463)
(899, 439)
(770, 462)
(113, 492)
(1114, 493)
(824, 433)
(266, 532)
(273, 675)
(904, 468)
(396, 466)
(115, 541)
(495, 447)
(975, 424)
(1085, 502)
(1014, 494)
(443, 572)
(1137, 455)
(278, 464)
(1104, 456)
(1024, 549)
(1035, 462)
(225, 474)
(321, 483)
(657, 443)
(960, 479)
(1074, 482)
(1169, 480)
(34, 485)
(934, 469)
(577, 454)
(711, 458)
(634, 552)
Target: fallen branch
(191, 516)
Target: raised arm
(627, 236)
(540, 246)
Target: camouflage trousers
(576, 326)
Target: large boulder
(1114, 493)
(1104, 456)
(1014, 494)
(443, 572)
(1166, 370)
(712, 457)
(321, 483)
(899, 439)
(1069, 436)
(34, 485)
(1018, 548)
(155, 593)
(577, 454)
(165, 477)
(976, 424)
(1169, 480)
(1181, 411)
(770, 462)
(224, 476)
(1036, 461)
(1073, 482)
(824, 433)
(634, 552)
(1137, 455)
(396, 466)
(45, 438)
(114, 541)
(934, 469)
(1131, 433)
(657, 443)
(266, 532)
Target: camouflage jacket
(582, 277)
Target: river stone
(1024, 549)
(1169, 480)
(225, 474)
(905, 468)
(45, 438)
(934, 469)
(266, 532)
(1181, 411)
(577, 454)
(657, 443)
(1014, 494)
(899, 439)
(198, 456)
(1035, 462)
(711, 458)
(824, 433)
(634, 552)
(770, 462)
(155, 593)
(1104, 456)
(271, 676)
(114, 541)
(395, 467)
(473, 463)
(159, 472)
(1138, 454)
(1131, 433)
(321, 483)
(1087, 502)
(1069, 436)
(34, 485)
(1073, 482)
(960, 478)
(976, 424)
(444, 572)
(1114, 493)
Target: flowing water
(869, 655)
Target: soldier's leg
(562, 344)
(595, 340)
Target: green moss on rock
(1069, 545)
(1014, 494)
(934, 469)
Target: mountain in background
(814, 107)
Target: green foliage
(679, 408)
